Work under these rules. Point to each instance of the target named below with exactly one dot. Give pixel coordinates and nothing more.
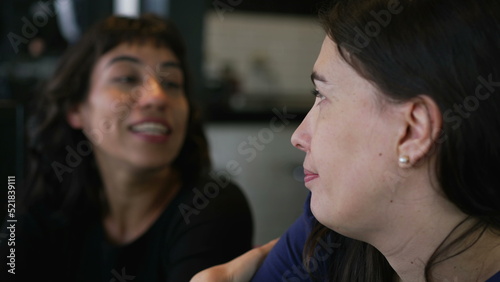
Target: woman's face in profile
(350, 140)
(136, 110)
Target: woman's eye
(317, 94)
(127, 79)
(170, 85)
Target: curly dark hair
(61, 167)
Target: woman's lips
(151, 130)
(152, 138)
(309, 176)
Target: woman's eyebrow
(166, 64)
(124, 58)
(317, 77)
(170, 64)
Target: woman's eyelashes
(317, 94)
(126, 79)
(169, 84)
(136, 80)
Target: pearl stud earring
(404, 160)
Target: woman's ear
(74, 117)
(423, 122)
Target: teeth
(151, 128)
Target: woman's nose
(301, 138)
(153, 95)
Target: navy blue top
(495, 278)
(284, 262)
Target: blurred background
(251, 60)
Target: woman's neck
(135, 199)
(418, 227)
(475, 258)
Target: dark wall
(295, 7)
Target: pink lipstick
(309, 176)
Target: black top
(201, 227)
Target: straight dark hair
(450, 51)
(71, 189)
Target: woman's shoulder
(213, 194)
(209, 223)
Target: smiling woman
(143, 77)
(117, 151)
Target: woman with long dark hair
(402, 147)
(118, 186)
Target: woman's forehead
(146, 55)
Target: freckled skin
(125, 92)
